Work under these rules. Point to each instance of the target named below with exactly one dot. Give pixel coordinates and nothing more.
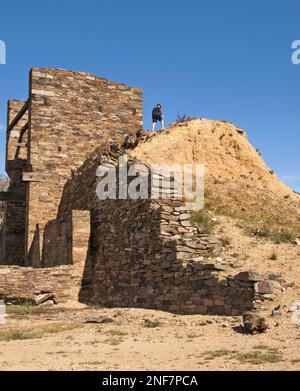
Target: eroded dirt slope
(237, 180)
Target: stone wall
(62, 282)
(63, 238)
(13, 231)
(57, 243)
(14, 221)
(148, 253)
(12, 145)
(132, 253)
(20, 284)
(2, 242)
(145, 254)
(69, 115)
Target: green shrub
(204, 223)
(225, 241)
(273, 256)
(151, 323)
(277, 236)
(282, 237)
(15, 335)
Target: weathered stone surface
(43, 297)
(99, 319)
(254, 323)
(249, 276)
(263, 287)
(19, 284)
(71, 113)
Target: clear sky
(205, 58)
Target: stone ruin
(59, 240)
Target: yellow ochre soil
(237, 180)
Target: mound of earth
(237, 180)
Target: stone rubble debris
(253, 323)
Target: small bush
(151, 323)
(204, 223)
(282, 237)
(225, 241)
(15, 335)
(116, 333)
(277, 236)
(27, 308)
(181, 118)
(113, 341)
(218, 181)
(212, 355)
(264, 232)
(273, 256)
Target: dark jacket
(156, 112)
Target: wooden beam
(8, 196)
(4, 195)
(19, 164)
(21, 145)
(18, 116)
(33, 177)
(22, 131)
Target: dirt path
(61, 340)
(58, 338)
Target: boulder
(253, 323)
(263, 287)
(99, 319)
(44, 297)
(249, 276)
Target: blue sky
(211, 58)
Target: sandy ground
(58, 338)
(249, 252)
(176, 343)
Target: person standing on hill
(157, 116)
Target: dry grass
(37, 331)
(261, 355)
(151, 323)
(27, 309)
(116, 333)
(204, 223)
(211, 355)
(113, 341)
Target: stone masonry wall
(145, 255)
(57, 243)
(64, 237)
(148, 253)
(133, 253)
(62, 282)
(71, 113)
(13, 236)
(13, 108)
(18, 284)
(14, 221)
